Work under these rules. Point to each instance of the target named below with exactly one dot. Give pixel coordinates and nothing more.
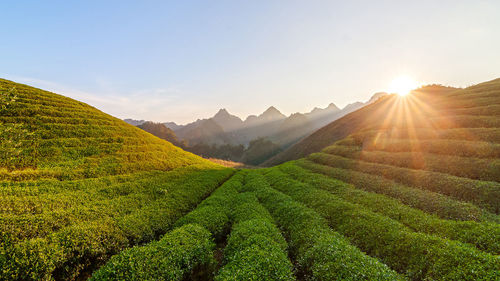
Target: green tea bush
(485, 194)
(82, 223)
(443, 136)
(210, 219)
(320, 253)
(427, 201)
(485, 236)
(417, 255)
(390, 143)
(473, 168)
(255, 249)
(174, 257)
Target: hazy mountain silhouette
(225, 128)
(134, 122)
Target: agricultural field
(78, 185)
(410, 194)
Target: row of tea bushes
(319, 252)
(485, 236)
(185, 252)
(65, 242)
(418, 256)
(429, 202)
(255, 249)
(485, 194)
(468, 167)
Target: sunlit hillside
(407, 188)
(437, 108)
(78, 185)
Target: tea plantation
(413, 193)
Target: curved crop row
(489, 109)
(320, 253)
(481, 193)
(466, 121)
(89, 234)
(491, 135)
(255, 249)
(485, 236)
(427, 201)
(210, 219)
(389, 143)
(473, 168)
(419, 256)
(179, 253)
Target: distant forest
(258, 150)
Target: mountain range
(225, 128)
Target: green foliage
(255, 250)
(174, 257)
(418, 256)
(457, 142)
(162, 132)
(48, 133)
(473, 168)
(482, 193)
(16, 139)
(259, 150)
(485, 236)
(430, 202)
(7, 97)
(309, 238)
(76, 223)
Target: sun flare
(402, 85)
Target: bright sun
(402, 85)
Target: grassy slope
(391, 199)
(71, 140)
(77, 185)
(413, 182)
(369, 116)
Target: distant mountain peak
(332, 106)
(222, 112)
(273, 111)
(227, 121)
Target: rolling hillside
(77, 185)
(410, 192)
(373, 114)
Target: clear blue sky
(182, 60)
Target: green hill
(77, 185)
(409, 191)
(69, 139)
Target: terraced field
(412, 193)
(77, 185)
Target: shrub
(485, 236)
(473, 168)
(482, 193)
(174, 257)
(306, 233)
(430, 202)
(418, 256)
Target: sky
(183, 60)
